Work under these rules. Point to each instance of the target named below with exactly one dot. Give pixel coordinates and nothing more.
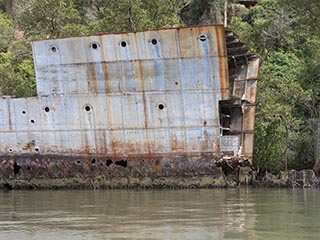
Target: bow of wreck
(166, 103)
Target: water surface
(161, 214)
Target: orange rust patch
(93, 83)
(29, 146)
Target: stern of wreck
(237, 112)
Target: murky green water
(168, 214)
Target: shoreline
(244, 177)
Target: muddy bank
(242, 177)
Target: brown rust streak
(9, 115)
(221, 41)
(205, 141)
(195, 35)
(223, 62)
(105, 68)
(93, 77)
(102, 137)
(131, 148)
(174, 143)
(248, 117)
(252, 93)
(145, 110)
(29, 146)
(102, 142)
(86, 142)
(114, 145)
(109, 115)
(107, 78)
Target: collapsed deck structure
(155, 103)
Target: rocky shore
(291, 179)
(243, 176)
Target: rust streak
(29, 146)
(105, 67)
(93, 81)
(223, 67)
(9, 115)
(142, 79)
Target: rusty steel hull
(151, 103)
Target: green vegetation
(285, 33)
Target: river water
(161, 214)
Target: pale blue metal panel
(174, 110)
(77, 58)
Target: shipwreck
(161, 103)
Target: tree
(288, 92)
(203, 12)
(17, 75)
(49, 18)
(6, 32)
(58, 18)
(278, 123)
(16, 79)
(265, 27)
(133, 15)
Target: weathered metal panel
(253, 69)
(251, 91)
(248, 116)
(77, 61)
(230, 144)
(248, 139)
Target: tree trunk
(225, 13)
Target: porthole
(123, 43)
(47, 109)
(87, 108)
(32, 121)
(154, 41)
(53, 49)
(95, 45)
(23, 112)
(161, 106)
(36, 149)
(202, 37)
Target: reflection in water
(168, 214)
